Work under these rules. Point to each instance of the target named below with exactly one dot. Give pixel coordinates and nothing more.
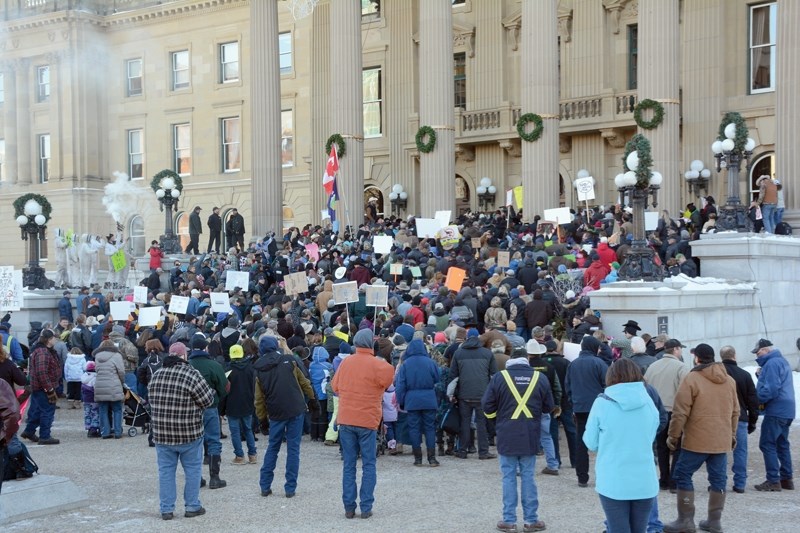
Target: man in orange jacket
(360, 382)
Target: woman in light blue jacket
(621, 427)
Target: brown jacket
(706, 410)
(768, 192)
(9, 412)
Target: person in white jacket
(74, 367)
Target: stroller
(136, 412)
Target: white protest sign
(220, 302)
(377, 296)
(585, 188)
(10, 289)
(382, 244)
(179, 305)
(571, 350)
(148, 316)
(296, 283)
(235, 279)
(560, 215)
(324, 214)
(345, 293)
(443, 217)
(650, 220)
(121, 310)
(140, 295)
(510, 197)
(427, 228)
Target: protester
(44, 372)
(238, 406)
(108, 388)
(748, 415)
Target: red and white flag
(331, 168)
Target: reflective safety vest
(522, 401)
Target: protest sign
(503, 259)
(148, 316)
(585, 188)
(313, 251)
(476, 243)
(140, 295)
(10, 289)
(650, 220)
(571, 350)
(296, 283)
(443, 217)
(344, 293)
(449, 236)
(396, 269)
(179, 304)
(519, 195)
(118, 260)
(220, 302)
(121, 310)
(377, 296)
(235, 279)
(416, 272)
(455, 278)
(382, 244)
(427, 228)
(560, 215)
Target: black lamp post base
(639, 265)
(170, 244)
(34, 278)
(733, 217)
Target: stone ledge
(736, 245)
(40, 495)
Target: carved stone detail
(614, 137)
(513, 24)
(565, 20)
(512, 148)
(615, 7)
(465, 153)
(564, 144)
(464, 38)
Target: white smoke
(122, 198)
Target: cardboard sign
(345, 293)
(503, 259)
(455, 278)
(149, 316)
(476, 243)
(235, 279)
(427, 228)
(118, 260)
(220, 302)
(585, 188)
(650, 220)
(571, 350)
(179, 305)
(443, 217)
(140, 295)
(121, 310)
(560, 215)
(382, 244)
(296, 283)
(416, 272)
(377, 296)
(10, 289)
(396, 269)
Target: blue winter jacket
(586, 378)
(775, 388)
(626, 419)
(320, 371)
(416, 379)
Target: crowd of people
(467, 369)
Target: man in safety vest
(516, 398)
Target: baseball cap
(199, 341)
(236, 352)
(762, 343)
(673, 343)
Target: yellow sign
(118, 260)
(518, 196)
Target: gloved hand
(672, 443)
(52, 397)
(751, 428)
(556, 412)
(264, 427)
(313, 405)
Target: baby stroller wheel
(132, 432)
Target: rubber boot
(213, 468)
(432, 457)
(417, 456)
(716, 503)
(685, 521)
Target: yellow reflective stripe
(490, 415)
(522, 407)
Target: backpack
(783, 229)
(20, 465)
(148, 368)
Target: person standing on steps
(234, 229)
(214, 224)
(195, 229)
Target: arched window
(182, 229)
(462, 196)
(765, 164)
(371, 191)
(226, 244)
(136, 236)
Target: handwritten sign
(148, 316)
(140, 295)
(179, 305)
(220, 302)
(10, 289)
(503, 259)
(377, 296)
(345, 293)
(396, 269)
(382, 244)
(118, 260)
(455, 278)
(296, 283)
(235, 279)
(585, 188)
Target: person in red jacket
(156, 255)
(607, 255)
(416, 311)
(596, 272)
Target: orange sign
(455, 278)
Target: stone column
(436, 101)
(25, 164)
(10, 122)
(539, 94)
(787, 108)
(658, 79)
(265, 146)
(320, 105)
(347, 108)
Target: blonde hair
(3, 354)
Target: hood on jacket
(267, 344)
(105, 354)
(241, 364)
(268, 361)
(415, 348)
(713, 372)
(328, 286)
(345, 349)
(320, 355)
(472, 343)
(629, 396)
(496, 301)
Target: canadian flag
(331, 168)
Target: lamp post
(730, 150)
(33, 225)
(399, 199)
(697, 177)
(168, 195)
(486, 193)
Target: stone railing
(625, 102)
(580, 108)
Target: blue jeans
(191, 457)
(774, 445)
(547, 443)
(739, 467)
(116, 412)
(40, 415)
(236, 425)
(767, 214)
(526, 465)
(292, 429)
(211, 431)
(354, 439)
(690, 462)
(420, 421)
(777, 217)
(654, 525)
(626, 516)
(568, 422)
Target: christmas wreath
(641, 146)
(19, 204)
(155, 183)
(341, 147)
(536, 132)
(741, 130)
(422, 146)
(658, 114)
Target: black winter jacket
(746, 391)
(473, 365)
(281, 386)
(239, 402)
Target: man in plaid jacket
(178, 396)
(44, 369)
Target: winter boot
(417, 456)
(685, 521)
(213, 469)
(472, 442)
(716, 502)
(449, 449)
(441, 447)
(432, 457)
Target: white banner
(179, 304)
(650, 220)
(345, 293)
(560, 215)
(121, 310)
(427, 228)
(443, 217)
(140, 295)
(382, 244)
(220, 302)
(235, 279)
(148, 316)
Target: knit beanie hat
(363, 339)
(178, 348)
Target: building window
(633, 55)
(764, 165)
(285, 51)
(370, 9)
(2, 88)
(231, 144)
(136, 236)
(182, 149)
(229, 62)
(133, 68)
(43, 83)
(763, 27)
(180, 70)
(2, 160)
(44, 158)
(460, 79)
(287, 138)
(459, 2)
(135, 154)
(372, 102)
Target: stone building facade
(94, 87)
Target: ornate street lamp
(486, 193)
(731, 148)
(168, 186)
(399, 199)
(33, 213)
(638, 184)
(697, 177)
